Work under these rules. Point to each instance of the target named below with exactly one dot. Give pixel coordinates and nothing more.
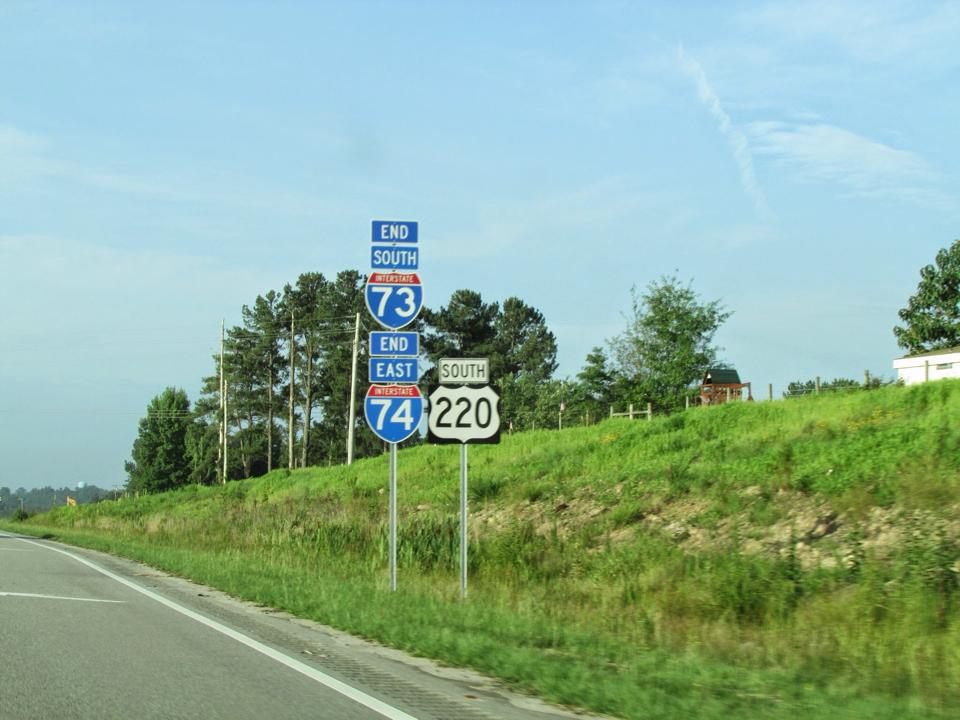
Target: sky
(163, 164)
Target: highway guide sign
(394, 231)
(463, 371)
(463, 414)
(394, 299)
(394, 344)
(393, 411)
(392, 370)
(393, 258)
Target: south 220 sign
(464, 414)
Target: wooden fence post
(818, 385)
(769, 391)
(649, 412)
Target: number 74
(402, 415)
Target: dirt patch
(560, 515)
(819, 535)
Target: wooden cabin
(722, 384)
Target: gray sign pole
(463, 520)
(393, 517)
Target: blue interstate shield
(393, 412)
(394, 299)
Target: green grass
(581, 593)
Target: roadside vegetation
(790, 559)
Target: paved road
(84, 635)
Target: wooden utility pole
(223, 407)
(353, 391)
(293, 382)
(270, 417)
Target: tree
(523, 344)
(242, 378)
(514, 337)
(340, 304)
(667, 344)
(593, 392)
(204, 439)
(932, 316)
(266, 324)
(463, 328)
(305, 302)
(160, 460)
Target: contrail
(736, 138)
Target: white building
(934, 365)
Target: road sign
(394, 258)
(394, 299)
(464, 371)
(393, 411)
(395, 344)
(463, 414)
(394, 231)
(393, 370)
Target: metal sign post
(463, 520)
(393, 406)
(393, 517)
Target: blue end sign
(393, 370)
(395, 344)
(394, 258)
(393, 411)
(394, 231)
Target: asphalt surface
(85, 635)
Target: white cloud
(56, 286)
(26, 156)
(15, 141)
(826, 153)
(31, 163)
(902, 31)
(735, 137)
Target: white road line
(358, 696)
(56, 597)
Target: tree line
(42, 499)
(287, 368)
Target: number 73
(409, 306)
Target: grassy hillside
(788, 559)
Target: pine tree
(160, 460)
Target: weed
(581, 610)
